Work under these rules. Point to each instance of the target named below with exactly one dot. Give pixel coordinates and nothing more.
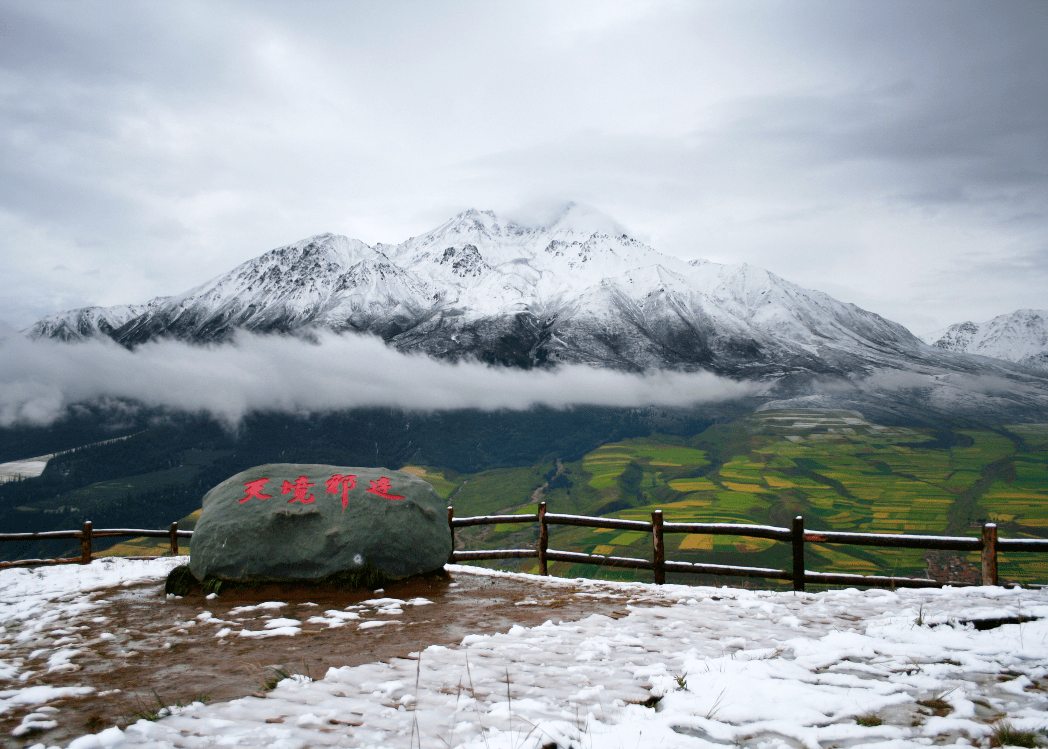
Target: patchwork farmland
(836, 469)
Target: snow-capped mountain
(581, 290)
(89, 322)
(576, 290)
(1020, 337)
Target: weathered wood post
(658, 548)
(451, 526)
(174, 539)
(85, 544)
(798, 553)
(543, 539)
(989, 554)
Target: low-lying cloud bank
(40, 379)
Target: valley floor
(669, 666)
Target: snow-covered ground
(23, 469)
(682, 667)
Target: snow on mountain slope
(88, 322)
(558, 293)
(577, 289)
(491, 266)
(1021, 337)
(314, 281)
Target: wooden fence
(86, 535)
(989, 544)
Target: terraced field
(834, 468)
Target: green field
(837, 470)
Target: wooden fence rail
(86, 534)
(988, 545)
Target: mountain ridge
(1020, 336)
(478, 286)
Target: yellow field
(693, 485)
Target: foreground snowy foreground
(683, 667)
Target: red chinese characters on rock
(254, 489)
(300, 489)
(381, 488)
(346, 482)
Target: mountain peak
(1020, 336)
(468, 227)
(576, 218)
(567, 222)
(474, 217)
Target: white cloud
(40, 379)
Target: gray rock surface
(288, 521)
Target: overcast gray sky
(892, 154)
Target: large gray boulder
(288, 521)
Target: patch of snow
(34, 722)
(257, 607)
(334, 618)
(275, 632)
(61, 660)
(38, 695)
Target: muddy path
(540, 492)
(139, 650)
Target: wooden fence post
(543, 539)
(989, 554)
(174, 539)
(451, 527)
(798, 553)
(658, 548)
(85, 544)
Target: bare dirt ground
(140, 650)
